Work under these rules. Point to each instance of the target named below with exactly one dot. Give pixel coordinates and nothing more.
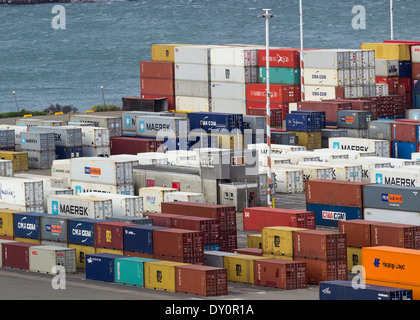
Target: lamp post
(14, 95)
(267, 16)
(302, 89)
(103, 95)
(391, 9)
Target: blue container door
(403, 150)
(139, 238)
(327, 215)
(101, 266)
(27, 225)
(82, 232)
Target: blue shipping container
(320, 116)
(328, 215)
(403, 150)
(27, 225)
(210, 121)
(416, 86)
(416, 101)
(139, 238)
(68, 152)
(302, 122)
(405, 69)
(82, 231)
(100, 266)
(343, 290)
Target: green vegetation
(53, 109)
(17, 114)
(107, 107)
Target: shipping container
(192, 104)
(54, 228)
(240, 267)
(319, 271)
(19, 159)
(27, 225)
(190, 88)
(50, 259)
(213, 122)
(302, 122)
(114, 124)
(234, 56)
(160, 275)
(81, 252)
(64, 136)
(404, 176)
(279, 93)
(122, 205)
(157, 86)
(41, 159)
(2, 241)
(391, 215)
(358, 232)
(81, 231)
(392, 51)
(380, 147)
(7, 139)
(353, 119)
(380, 130)
(139, 238)
(341, 170)
(278, 240)
(280, 57)
(103, 152)
(81, 186)
(162, 127)
(101, 266)
(37, 141)
(153, 197)
(110, 234)
(331, 215)
(386, 68)
(6, 225)
(327, 77)
(287, 76)
(16, 254)
(130, 270)
(288, 180)
(215, 258)
(156, 69)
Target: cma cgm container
(215, 121)
(114, 124)
(329, 215)
(100, 266)
(81, 231)
(345, 290)
(279, 273)
(254, 219)
(49, 259)
(27, 225)
(21, 192)
(16, 254)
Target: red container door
(16, 255)
(110, 234)
(176, 185)
(150, 182)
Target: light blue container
(130, 270)
(287, 76)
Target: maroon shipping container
(157, 86)
(228, 240)
(331, 107)
(201, 280)
(395, 235)
(129, 145)
(256, 218)
(279, 57)
(209, 227)
(262, 105)
(357, 231)
(278, 273)
(16, 254)
(109, 234)
(226, 215)
(162, 219)
(249, 251)
(320, 244)
(279, 93)
(324, 270)
(415, 71)
(157, 69)
(335, 192)
(181, 243)
(404, 132)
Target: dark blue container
(100, 266)
(403, 150)
(416, 101)
(343, 290)
(82, 231)
(27, 225)
(405, 69)
(287, 138)
(68, 152)
(416, 87)
(303, 122)
(320, 116)
(328, 215)
(139, 238)
(210, 121)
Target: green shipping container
(130, 270)
(288, 76)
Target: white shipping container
(191, 88)
(380, 147)
(95, 136)
(48, 181)
(39, 122)
(393, 216)
(227, 90)
(48, 259)
(342, 171)
(395, 162)
(234, 74)
(350, 154)
(79, 207)
(18, 130)
(80, 186)
(396, 176)
(184, 196)
(146, 158)
(198, 54)
(102, 170)
(114, 124)
(49, 191)
(327, 59)
(382, 90)
(298, 156)
(21, 192)
(122, 205)
(311, 172)
(288, 180)
(387, 68)
(415, 156)
(367, 166)
(60, 169)
(191, 72)
(191, 104)
(153, 198)
(368, 59)
(319, 93)
(224, 105)
(103, 152)
(327, 77)
(415, 54)
(413, 114)
(234, 56)
(6, 168)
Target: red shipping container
(392, 83)
(324, 270)
(404, 132)
(415, 71)
(16, 254)
(109, 234)
(131, 145)
(157, 86)
(279, 273)
(178, 243)
(157, 69)
(256, 218)
(335, 192)
(228, 240)
(209, 227)
(249, 251)
(279, 57)
(407, 83)
(161, 219)
(273, 105)
(201, 280)
(279, 93)
(395, 235)
(357, 231)
(276, 117)
(170, 99)
(330, 107)
(320, 244)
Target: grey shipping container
(54, 228)
(65, 136)
(353, 119)
(254, 122)
(215, 258)
(47, 259)
(382, 196)
(380, 130)
(114, 124)
(358, 133)
(37, 141)
(331, 133)
(7, 139)
(171, 127)
(6, 168)
(41, 159)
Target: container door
(150, 182)
(251, 200)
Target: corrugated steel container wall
(353, 119)
(318, 271)
(16, 254)
(392, 51)
(37, 141)
(403, 150)
(289, 76)
(110, 234)
(380, 130)
(41, 159)
(209, 227)
(278, 273)
(201, 280)
(100, 266)
(395, 235)
(405, 132)
(68, 153)
(240, 268)
(162, 127)
(46, 259)
(310, 140)
(320, 244)
(330, 108)
(54, 228)
(234, 74)
(139, 238)
(81, 253)
(3, 241)
(157, 69)
(114, 124)
(173, 242)
(415, 71)
(81, 186)
(254, 241)
(386, 68)
(278, 240)
(192, 72)
(162, 219)
(385, 196)
(130, 270)
(344, 290)
(6, 225)
(27, 225)
(191, 104)
(64, 136)
(164, 52)
(302, 122)
(157, 86)
(19, 159)
(160, 275)
(280, 57)
(279, 93)
(330, 215)
(215, 258)
(394, 216)
(127, 145)
(358, 232)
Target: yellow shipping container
(254, 241)
(165, 52)
(240, 267)
(6, 222)
(278, 240)
(19, 159)
(160, 275)
(310, 140)
(354, 257)
(107, 250)
(27, 240)
(389, 51)
(81, 252)
(413, 288)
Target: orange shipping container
(392, 264)
(414, 289)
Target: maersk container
(386, 68)
(153, 197)
(102, 170)
(81, 186)
(101, 266)
(130, 270)
(391, 215)
(48, 190)
(329, 215)
(122, 205)
(404, 176)
(76, 206)
(403, 150)
(41, 159)
(68, 152)
(342, 171)
(380, 147)
(27, 225)
(288, 180)
(234, 56)
(61, 169)
(21, 192)
(64, 136)
(345, 290)
(234, 74)
(37, 141)
(81, 231)
(391, 197)
(162, 127)
(49, 259)
(367, 166)
(54, 228)
(289, 76)
(95, 136)
(209, 121)
(225, 90)
(114, 124)
(139, 238)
